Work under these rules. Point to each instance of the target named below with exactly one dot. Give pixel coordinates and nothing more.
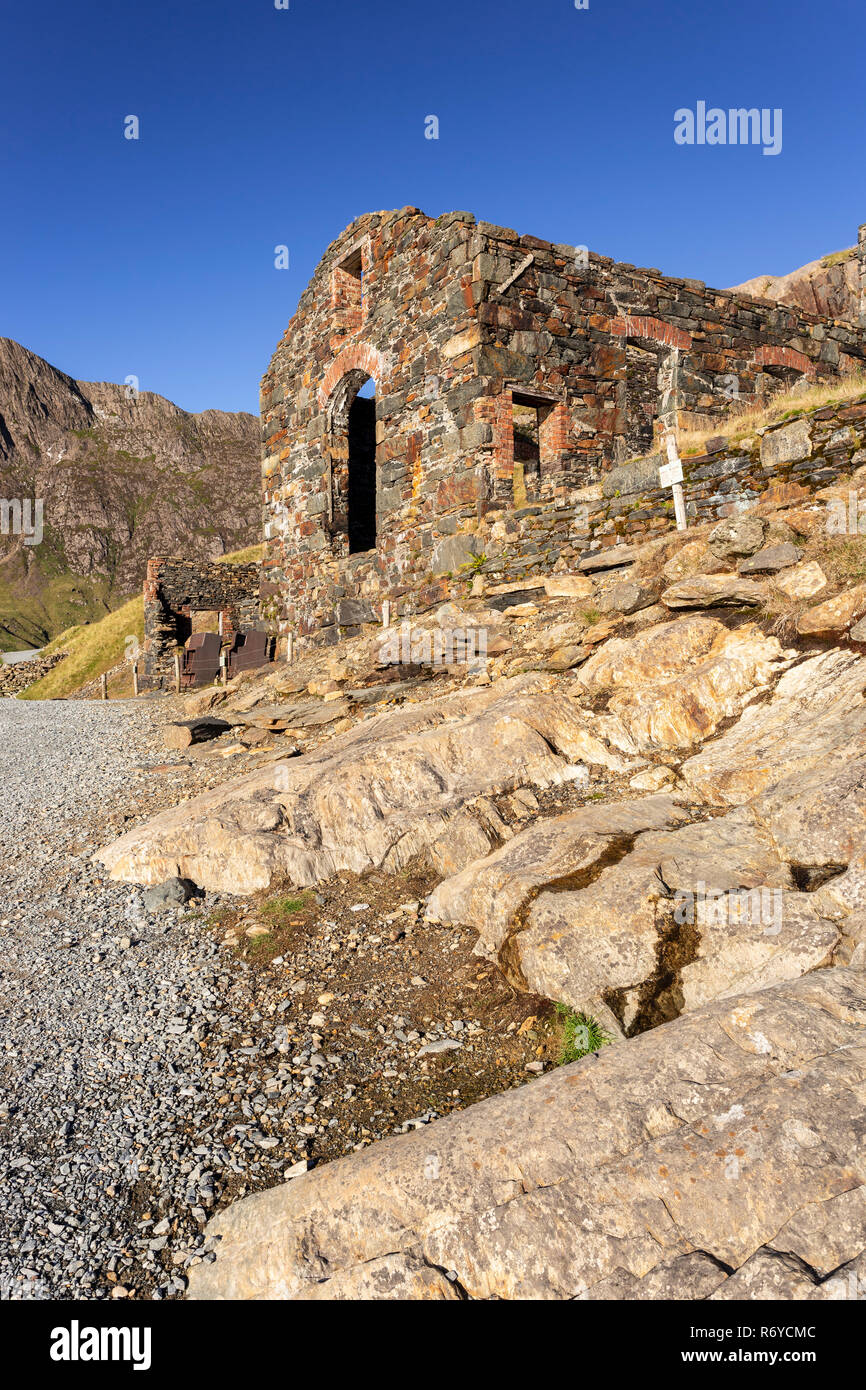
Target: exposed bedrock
(718, 1157)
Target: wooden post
(290, 649)
(386, 613)
(671, 475)
(177, 673)
(104, 684)
(135, 678)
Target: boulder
(737, 535)
(715, 590)
(662, 1167)
(786, 444)
(568, 586)
(802, 581)
(174, 892)
(691, 558)
(186, 732)
(626, 597)
(835, 615)
(611, 557)
(771, 559)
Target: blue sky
(262, 127)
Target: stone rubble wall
(457, 320)
(792, 460)
(175, 588)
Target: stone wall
(861, 256)
(175, 590)
(788, 461)
(459, 322)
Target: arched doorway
(353, 462)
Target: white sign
(670, 473)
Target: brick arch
(358, 357)
(656, 330)
(768, 356)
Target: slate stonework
(458, 322)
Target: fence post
(290, 649)
(104, 683)
(177, 673)
(135, 678)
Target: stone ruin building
(449, 389)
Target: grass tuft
(281, 910)
(580, 1034)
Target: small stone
(174, 892)
(443, 1045)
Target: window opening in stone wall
(537, 431)
(349, 288)
(362, 471)
(527, 453)
(642, 398)
(352, 464)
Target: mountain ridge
(122, 475)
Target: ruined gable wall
(418, 298)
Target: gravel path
(155, 1067)
(110, 1122)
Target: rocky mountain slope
(122, 476)
(829, 286)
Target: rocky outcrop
(633, 916)
(406, 783)
(829, 287)
(814, 722)
(718, 1157)
(674, 683)
(399, 785)
(122, 475)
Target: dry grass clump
(748, 419)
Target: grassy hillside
(34, 602)
(94, 648)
